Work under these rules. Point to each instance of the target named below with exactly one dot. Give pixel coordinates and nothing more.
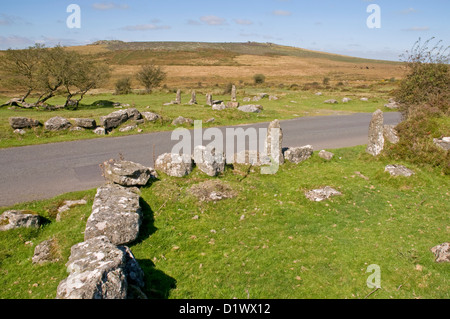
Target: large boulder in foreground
(13, 219)
(127, 173)
(23, 122)
(116, 214)
(174, 164)
(57, 123)
(98, 269)
(208, 160)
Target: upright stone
(233, 94)
(178, 98)
(376, 134)
(193, 98)
(274, 142)
(209, 99)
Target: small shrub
(326, 81)
(123, 86)
(259, 78)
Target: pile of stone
(102, 267)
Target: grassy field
(269, 241)
(291, 104)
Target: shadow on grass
(157, 284)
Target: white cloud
(103, 6)
(213, 20)
(417, 29)
(281, 13)
(14, 42)
(145, 27)
(243, 21)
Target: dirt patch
(212, 190)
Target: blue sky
(324, 25)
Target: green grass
(291, 104)
(284, 247)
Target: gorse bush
(424, 96)
(259, 78)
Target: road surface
(44, 171)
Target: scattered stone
(182, 120)
(443, 143)
(256, 98)
(208, 161)
(45, 252)
(364, 99)
(346, 100)
(318, 195)
(326, 155)
(210, 120)
(68, 204)
(193, 99)
(85, 123)
(98, 269)
(212, 190)
(247, 99)
(128, 128)
(319, 94)
(100, 131)
(133, 114)
(20, 131)
(442, 252)
(250, 108)
(298, 154)
(174, 164)
(114, 119)
(331, 101)
(23, 122)
(376, 134)
(219, 107)
(127, 173)
(232, 105)
(57, 123)
(13, 219)
(392, 105)
(398, 170)
(361, 175)
(273, 98)
(150, 116)
(76, 128)
(233, 94)
(116, 214)
(273, 146)
(390, 133)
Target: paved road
(44, 171)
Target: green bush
(259, 78)
(123, 86)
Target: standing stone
(208, 161)
(116, 214)
(178, 98)
(273, 146)
(376, 134)
(193, 98)
(233, 94)
(209, 99)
